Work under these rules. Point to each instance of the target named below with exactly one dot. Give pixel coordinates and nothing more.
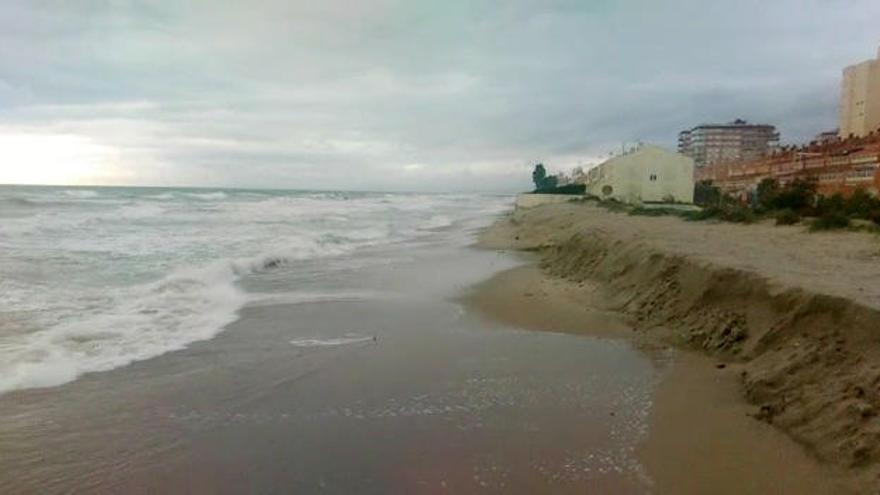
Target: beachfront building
(860, 99)
(734, 141)
(645, 174)
(838, 166)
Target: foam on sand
(315, 342)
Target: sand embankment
(795, 314)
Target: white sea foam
(316, 342)
(162, 196)
(141, 322)
(437, 222)
(208, 196)
(80, 193)
(94, 280)
(264, 299)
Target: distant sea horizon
(505, 192)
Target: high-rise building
(860, 98)
(734, 141)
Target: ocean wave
(133, 211)
(436, 222)
(164, 196)
(276, 259)
(16, 202)
(272, 299)
(80, 193)
(140, 322)
(143, 322)
(208, 196)
(97, 283)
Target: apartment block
(860, 99)
(734, 141)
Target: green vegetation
(610, 204)
(726, 211)
(799, 196)
(767, 191)
(787, 205)
(549, 184)
(830, 220)
(787, 217)
(653, 212)
(576, 189)
(706, 194)
(800, 199)
(543, 181)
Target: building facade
(860, 99)
(840, 166)
(647, 174)
(735, 141)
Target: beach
(456, 356)
(360, 371)
(776, 327)
(299, 397)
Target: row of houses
(840, 166)
(841, 161)
(651, 174)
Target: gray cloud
(411, 95)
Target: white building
(860, 98)
(647, 174)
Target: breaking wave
(91, 281)
(140, 323)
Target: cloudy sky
(399, 95)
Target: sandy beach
(571, 350)
(297, 396)
(774, 386)
(440, 248)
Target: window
(653, 177)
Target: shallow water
(296, 395)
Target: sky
(451, 95)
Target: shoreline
(742, 378)
(443, 401)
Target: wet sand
(444, 401)
(701, 438)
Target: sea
(173, 340)
(94, 278)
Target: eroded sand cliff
(798, 313)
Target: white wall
(629, 177)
